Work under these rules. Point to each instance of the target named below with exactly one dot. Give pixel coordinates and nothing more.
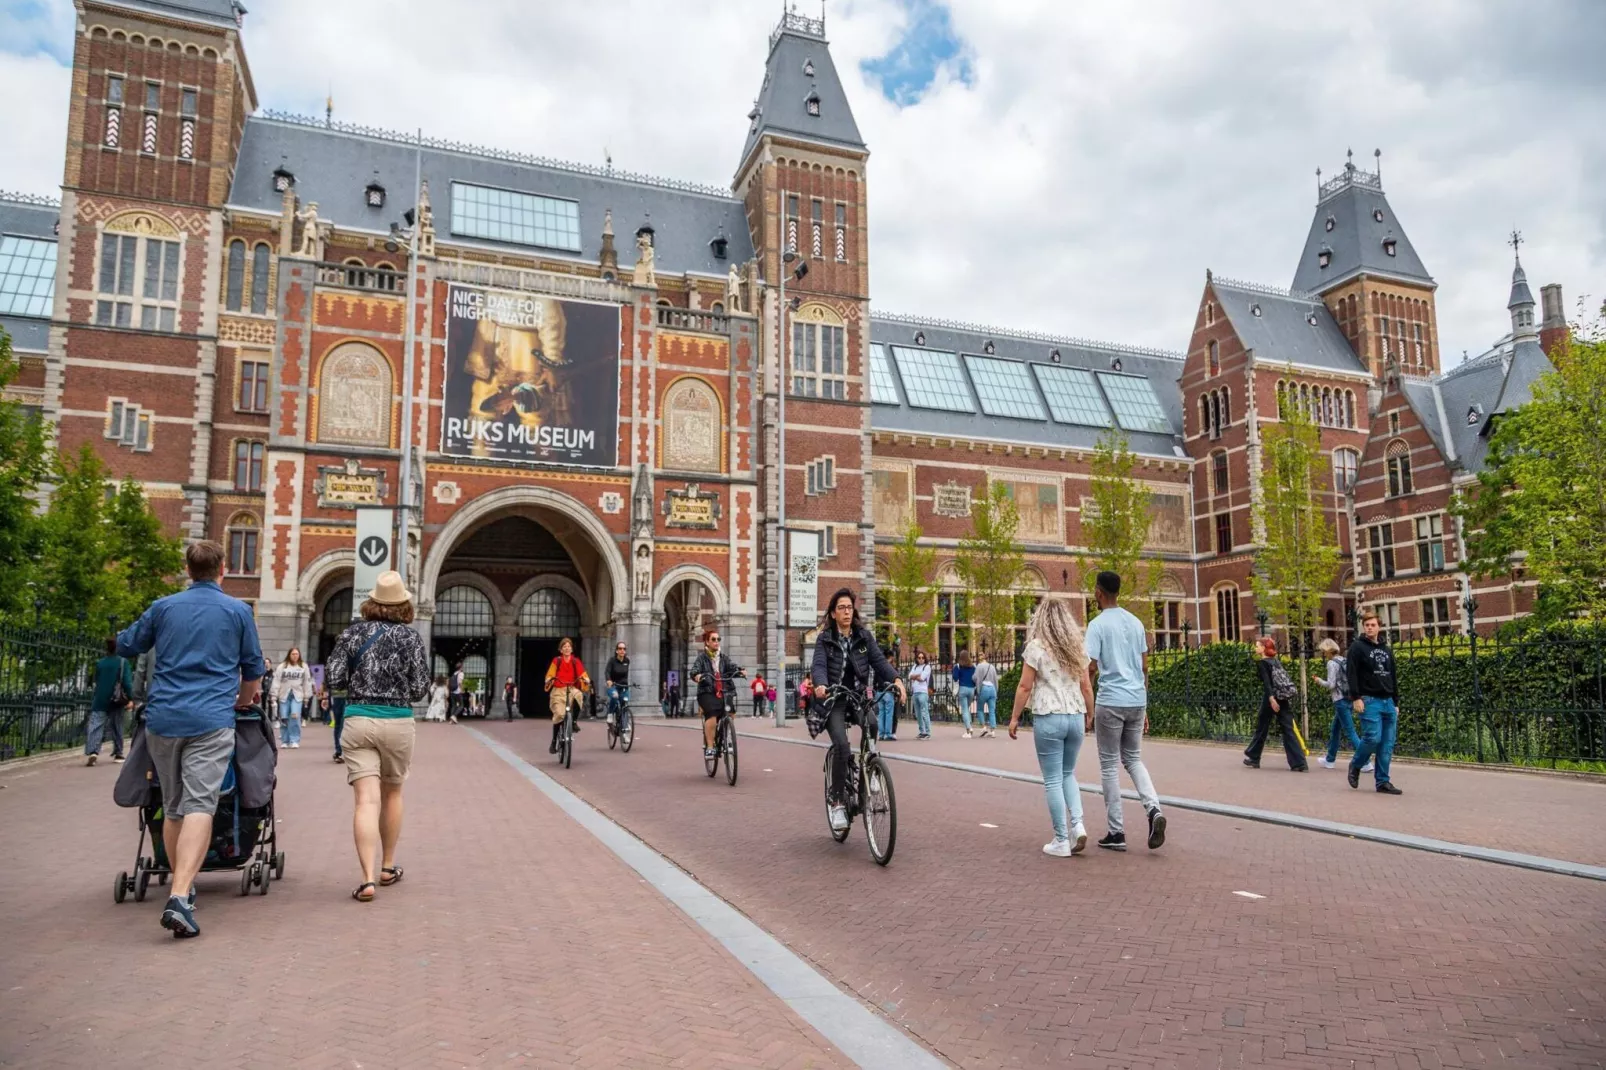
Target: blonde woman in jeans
(1054, 681)
(382, 665)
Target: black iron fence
(47, 680)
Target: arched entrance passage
(542, 562)
(692, 600)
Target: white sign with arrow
(374, 527)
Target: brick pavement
(1360, 955)
(1530, 813)
(516, 939)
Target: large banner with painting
(530, 378)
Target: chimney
(1553, 325)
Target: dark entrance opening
(534, 656)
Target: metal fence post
(1470, 604)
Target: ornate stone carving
(644, 274)
(426, 222)
(251, 331)
(691, 425)
(691, 508)
(447, 492)
(611, 503)
(354, 397)
(641, 503)
(950, 499)
(733, 290)
(348, 485)
(643, 570)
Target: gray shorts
(191, 769)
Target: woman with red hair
(1276, 703)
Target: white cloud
(1100, 158)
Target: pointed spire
(1521, 304)
(608, 259)
(801, 95)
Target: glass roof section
(1073, 396)
(1136, 407)
(27, 276)
(933, 379)
(510, 216)
(883, 390)
(1005, 388)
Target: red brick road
(1531, 813)
(516, 939)
(1360, 955)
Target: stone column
(507, 660)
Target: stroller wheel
(278, 866)
(120, 889)
(245, 881)
(142, 880)
(161, 878)
(264, 877)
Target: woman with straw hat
(382, 665)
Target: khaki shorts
(377, 746)
(558, 700)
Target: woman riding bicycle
(845, 654)
(618, 677)
(713, 672)
(566, 683)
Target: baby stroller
(244, 832)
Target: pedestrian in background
(759, 689)
(436, 710)
(1054, 681)
(1336, 681)
(382, 664)
(292, 689)
(510, 696)
(920, 694)
(335, 698)
(1277, 693)
(114, 688)
(265, 695)
(1374, 687)
(208, 665)
(986, 678)
(454, 694)
(964, 674)
(885, 712)
(1119, 648)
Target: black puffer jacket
(833, 659)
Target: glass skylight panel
(1136, 407)
(27, 276)
(933, 379)
(519, 218)
(1004, 387)
(883, 391)
(1073, 396)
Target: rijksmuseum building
(231, 305)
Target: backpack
(1343, 676)
(119, 699)
(1282, 685)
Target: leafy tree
(144, 558)
(910, 570)
(1299, 559)
(24, 464)
(1116, 527)
(990, 562)
(1542, 492)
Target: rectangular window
(1218, 466)
(1227, 625)
(819, 361)
(1380, 550)
(933, 379)
(1430, 543)
(27, 276)
(151, 273)
(114, 89)
(1223, 533)
(187, 103)
(253, 386)
(828, 542)
(514, 217)
(1135, 404)
(248, 465)
(243, 552)
(1399, 469)
(1073, 396)
(841, 233)
(1167, 624)
(817, 209)
(1436, 617)
(791, 222)
(153, 96)
(1388, 615)
(1005, 388)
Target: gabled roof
(1285, 328)
(333, 163)
(1353, 222)
(1459, 407)
(799, 67)
(212, 12)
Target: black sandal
(359, 897)
(395, 875)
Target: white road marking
(986, 825)
(1249, 895)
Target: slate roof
(1353, 202)
(797, 44)
(215, 12)
(28, 335)
(1162, 369)
(334, 163)
(1289, 328)
(1458, 408)
(1520, 294)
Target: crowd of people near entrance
(206, 666)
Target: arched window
(259, 279)
(1327, 406)
(1226, 407)
(1215, 356)
(691, 427)
(1204, 414)
(235, 292)
(1227, 624)
(549, 614)
(244, 533)
(463, 612)
(354, 396)
(1399, 469)
(1345, 463)
(1215, 415)
(1349, 408)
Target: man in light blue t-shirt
(1119, 648)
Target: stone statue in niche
(643, 571)
(311, 232)
(733, 291)
(644, 274)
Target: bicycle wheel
(627, 729)
(566, 739)
(729, 747)
(711, 761)
(880, 810)
(835, 835)
(613, 729)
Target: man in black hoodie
(1376, 690)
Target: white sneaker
(1058, 848)
(1079, 838)
(1325, 764)
(1369, 767)
(967, 733)
(839, 818)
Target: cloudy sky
(1061, 165)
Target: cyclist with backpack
(114, 688)
(1276, 703)
(1337, 685)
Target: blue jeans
(921, 701)
(884, 710)
(99, 721)
(987, 704)
(1342, 722)
(1058, 738)
(290, 715)
(965, 694)
(337, 710)
(1379, 725)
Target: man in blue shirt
(208, 663)
(1118, 645)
